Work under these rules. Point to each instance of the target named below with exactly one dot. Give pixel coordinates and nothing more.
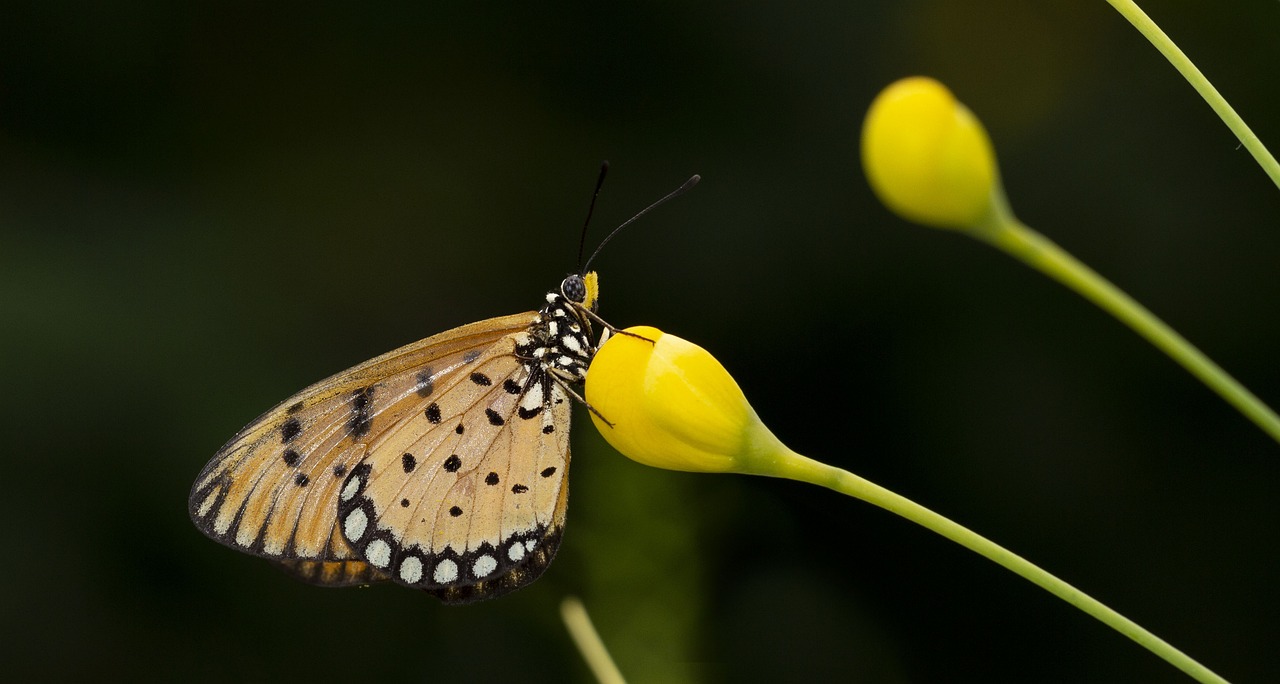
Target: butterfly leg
(609, 327)
(564, 383)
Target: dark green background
(205, 206)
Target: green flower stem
(1130, 10)
(1042, 254)
(588, 641)
(793, 466)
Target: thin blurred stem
(1130, 10)
(796, 467)
(588, 641)
(1042, 254)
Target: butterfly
(439, 466)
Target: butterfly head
(581, 289)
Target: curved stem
(1130, 10)
(588, 641)
(1047, 257)
(796, 467)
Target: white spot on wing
(354, 526)
(571, 343)
(207, 503)
(353, 486)
(530, 544)
(484, 565)
(516, 552)
(244, 536)
(411, 569)
(378, 552)
(446, 572)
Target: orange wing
(466, 497)
(272, 490)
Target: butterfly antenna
(688, 185)
(582, 240)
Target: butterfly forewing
(272, 489)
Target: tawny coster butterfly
(441, 465)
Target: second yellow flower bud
(928, 158)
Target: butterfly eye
(574, 289)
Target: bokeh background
(205, 206)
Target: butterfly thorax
(560, 345)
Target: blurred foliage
(206, 206)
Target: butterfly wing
(347, 573)
(466, 497)
(272, 490)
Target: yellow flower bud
(672, 405)
(928, 157)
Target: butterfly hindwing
(272, 490)
(466, 498)
(348, 573)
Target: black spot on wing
(481, 379)
(548, 471)
(404, 503)
(433, 413)
(361, 402)
(426, 384)
(548, 429)
(491, 479)
(494, 418)
(511, 386)
(301, 480)
(455, 511)
(459, 429)
(291, 429)
(340, 470)
(290, 457)
(519, 489)
(453, 463)
(408, 462)
(529, 413)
